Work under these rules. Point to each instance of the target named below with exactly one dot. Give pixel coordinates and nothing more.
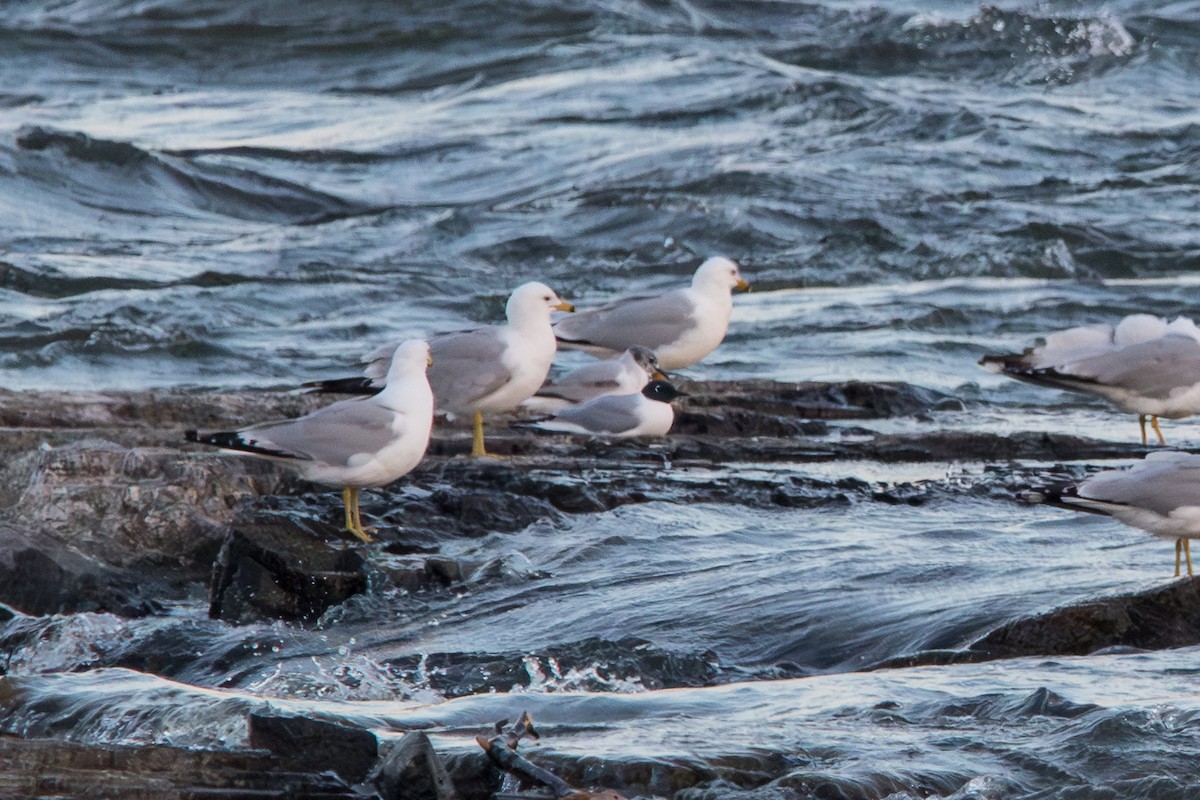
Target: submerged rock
(1151, 619)
(57, 768)
(590, 665)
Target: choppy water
(240, 195)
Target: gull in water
(1145, 365)
(484, 370)
(625, 374)
(1160, 495)
(360, 443)
(681, 326)
(644, 413)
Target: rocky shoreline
(104, 509)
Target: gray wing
(612, 413)
(1162, 482)
(649, 321)
(1150, 369)
(466, 367)
(586, 382)
(331, 435)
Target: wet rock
(411, 770)
(42, 575)
(1156, 618)
(285, 568)
(588, 665)
(1153, 619)
(58, 768)
(817, 399)
(316, 746)
(130, 507)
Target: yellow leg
(1187, 554)
(477, 436)
(1161, 439)
(1142, 423)
(1178, 553)
(353, 518)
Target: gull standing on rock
(644, 413)
(361, 443)
(484, 370)
(681, 326)
(1144, 365)
(625, 374)
(1160, 495)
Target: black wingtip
(358, 386)
(191, 436)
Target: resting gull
(681, 326)
(1160, 495)
(360, 443)
(1144, 365)
(625, 374)
(484, 370)
(643, 413)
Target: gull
(483, 370)
(681, 326)
(644, 413)
(1160, 495)
(1144, 365)
(360, 443)
(625, 374)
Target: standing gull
(681, 326)
(359, 443)
(1160, 495)
(625, 374)
(644, 413)
(1144, 365)
(484, 370)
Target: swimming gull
(644, 413)
(483, 370)
(625, 374)
(1144, 365)
(1160, 494)
(363, 442)
(681, 326)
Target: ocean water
(242, 196)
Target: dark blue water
(240, 196)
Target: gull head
(644, 357)
(720, 272)
(412, 356)
(661, 391)
(534, 301)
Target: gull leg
(1142, 423)
(1161, 439)
(477, 436)
(1187, 553)
(1178, 552)
(353, 520)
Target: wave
(121, 177)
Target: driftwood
(502, 750)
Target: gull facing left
(1160, 495)
(1144, 365)
(360, 443)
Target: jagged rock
(281, 567)
(131, 506)
(411, 770)
(316, 746)
(41, 575)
